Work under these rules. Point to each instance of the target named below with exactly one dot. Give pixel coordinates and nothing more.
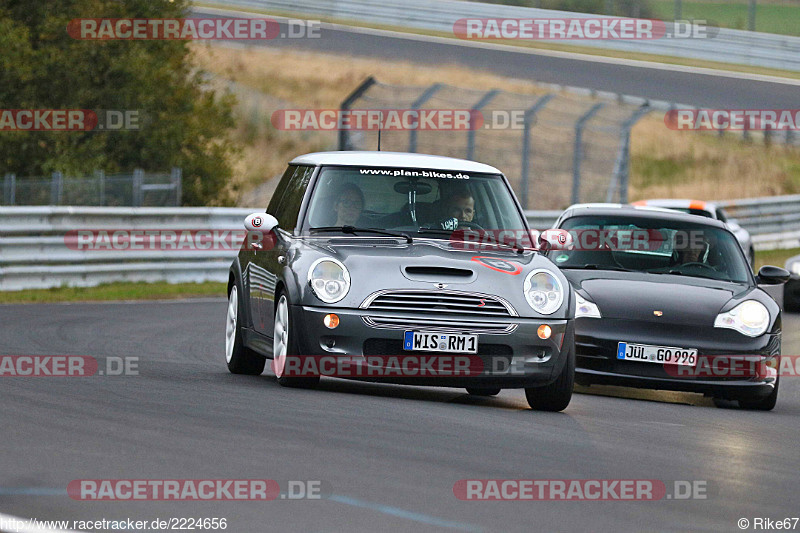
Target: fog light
(544, 331)
(331, 321)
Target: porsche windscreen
(419, 202)
(654, 246)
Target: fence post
(355, 95)
(751, 15)
(530, 114)
(10, 189)
(56, 188)
(485, 99)
(577, 153)
(138, 180)
(177, 182)
(621, 171)
(678, 15)
(424, 97)
(100, 176)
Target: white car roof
(619, 206)
(685, 204)
(393, 159)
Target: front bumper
(507, 360)
(596, 343)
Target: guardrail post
(678, 15)
(767, 135)
(485, 99)
(176, 175)
(56, 188)
(344, 143)
(10, 189)
(424, 97)
(751, 15)
(100, 176)
(621, 171)
(577, 153)
(138, 181)
(528, 119)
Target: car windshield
(693, 211)
(417, 202)
(652, 245)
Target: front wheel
(557, 395)
(240, 358)
(285, 347)
(764, 404)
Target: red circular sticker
(500, 265)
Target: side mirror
(772, 275)
(554, 239)
(261, 222)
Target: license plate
(663, 355)
(440, 342)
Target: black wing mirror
(772, 275)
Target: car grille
(425, 309)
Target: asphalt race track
(682, 86)
(388, 456)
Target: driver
(459, 207)
(701, 249)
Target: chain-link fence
(136, 188)
(556, 148)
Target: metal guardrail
(727, 46)
(34, 253)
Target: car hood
(386, 263)
(637, 296)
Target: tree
(182, 122)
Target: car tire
(284, 345)
(557, 395)
(475, 391)
(240, 358)
(763, 404)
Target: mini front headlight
(750, 318)
(795, 268)
(543, 291)
(585, 308)
(329, 280)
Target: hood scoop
(435, 274)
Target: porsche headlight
(585, 308)
(329, 280)
(543, 291)
(750, 318)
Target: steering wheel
(469, 225)
(697, 264)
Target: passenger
(349, 206)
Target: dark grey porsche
(360, 271)
(667, 300)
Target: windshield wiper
(598, 267)
(437, 231)
(352, 230)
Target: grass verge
(775, 257)
(115, 291)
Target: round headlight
(329, 280)
(543, 291)
(750, 318)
